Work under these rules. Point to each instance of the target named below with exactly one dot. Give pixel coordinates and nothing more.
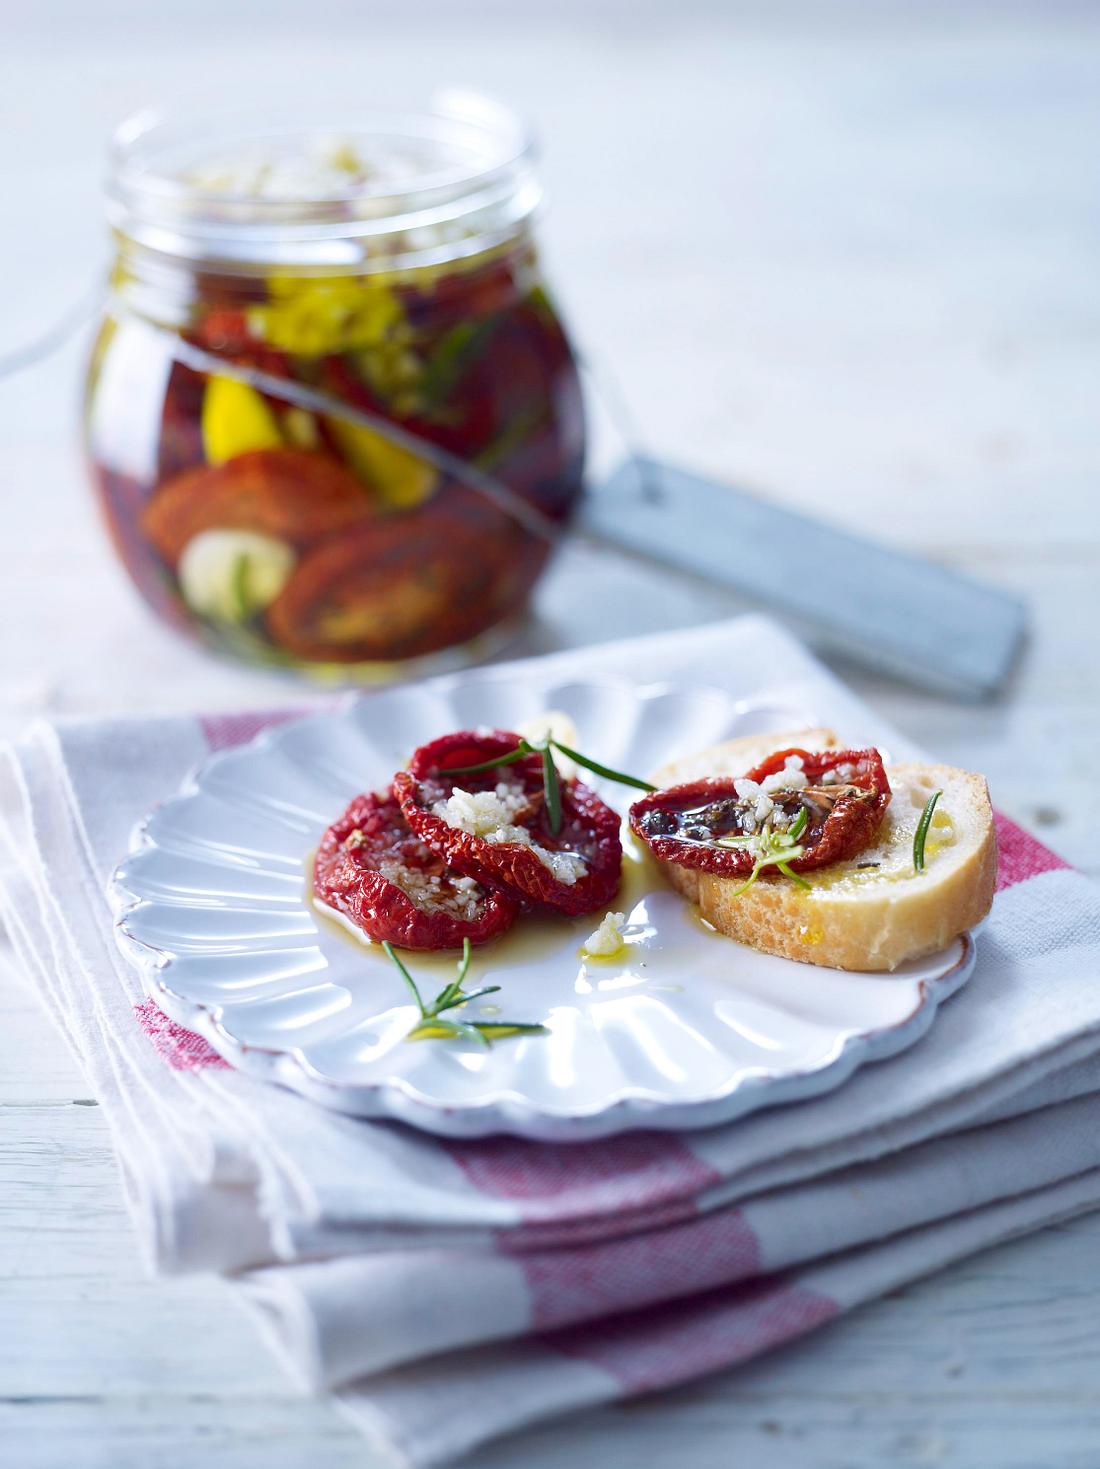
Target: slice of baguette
(854, 916)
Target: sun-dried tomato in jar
(269, 281)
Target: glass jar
(332, 417)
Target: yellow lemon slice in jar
(397, 476)
(235, 419)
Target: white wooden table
(844, 253)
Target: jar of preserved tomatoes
(332, 416)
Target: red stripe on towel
(1020, 855)
(673, 1343)
(639, 1170)
(182, 1049)
(597, 1280)
(547, 1232)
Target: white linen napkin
(367, 1247)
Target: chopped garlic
(555, 724)
(319, 167)
(462, 897)
(791, 778)
(567, 867)
(483, 813)
(608, 938)
(488, 814)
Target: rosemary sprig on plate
(921, 834)
(435, 1025)
(550, 779)
(774, 849)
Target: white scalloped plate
(687, 1030)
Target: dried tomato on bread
(717, 825)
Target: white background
(844, 254)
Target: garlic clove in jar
(230, 575)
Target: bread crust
(868, 925)
(734, 757)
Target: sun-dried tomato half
(494, 825)
(295, 495)
(372, 868)
(844, 795)
(401, 586)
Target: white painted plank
(128, 1432)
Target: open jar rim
(450, 181)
